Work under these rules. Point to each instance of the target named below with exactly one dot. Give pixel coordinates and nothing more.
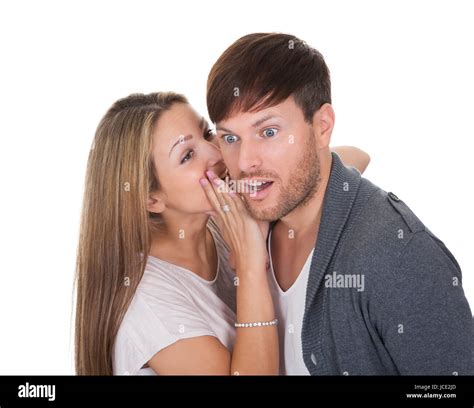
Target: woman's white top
(172, 303)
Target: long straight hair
(116, 227)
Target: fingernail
(210, 174)
(204, 182)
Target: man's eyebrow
(223, 129)
(181, 139)
(262, 120)
(254, 125)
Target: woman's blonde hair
(116, 227)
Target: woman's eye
(209, 134)
(270, 132)
(187, 157)
(230, 139)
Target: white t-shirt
(289, 309)
(172, 303)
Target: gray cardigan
(384, 294)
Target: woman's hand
(244, 235)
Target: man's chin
(262, 212)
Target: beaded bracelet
(257, 324)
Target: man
(360, 285)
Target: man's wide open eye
(270, 132)
(230, 139)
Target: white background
(402, 90)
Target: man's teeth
(257, 185)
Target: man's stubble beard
(303, 185)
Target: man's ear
(323, 123)
(155, 203)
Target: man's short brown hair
(262, 70)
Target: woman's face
(183, 150)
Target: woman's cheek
(189, 180)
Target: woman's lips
(224, 174)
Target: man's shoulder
(379, 228)
(383, 230)
(385, 208)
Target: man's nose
(249, 157)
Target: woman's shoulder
(161, 287)
(161, 275)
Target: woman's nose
(215, 162)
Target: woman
(155, 291)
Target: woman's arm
(203, 355)
(256, 349)
(352, 156)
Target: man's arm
(427, 323)
(352, 156)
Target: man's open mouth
(262, 185)
(256, 186)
